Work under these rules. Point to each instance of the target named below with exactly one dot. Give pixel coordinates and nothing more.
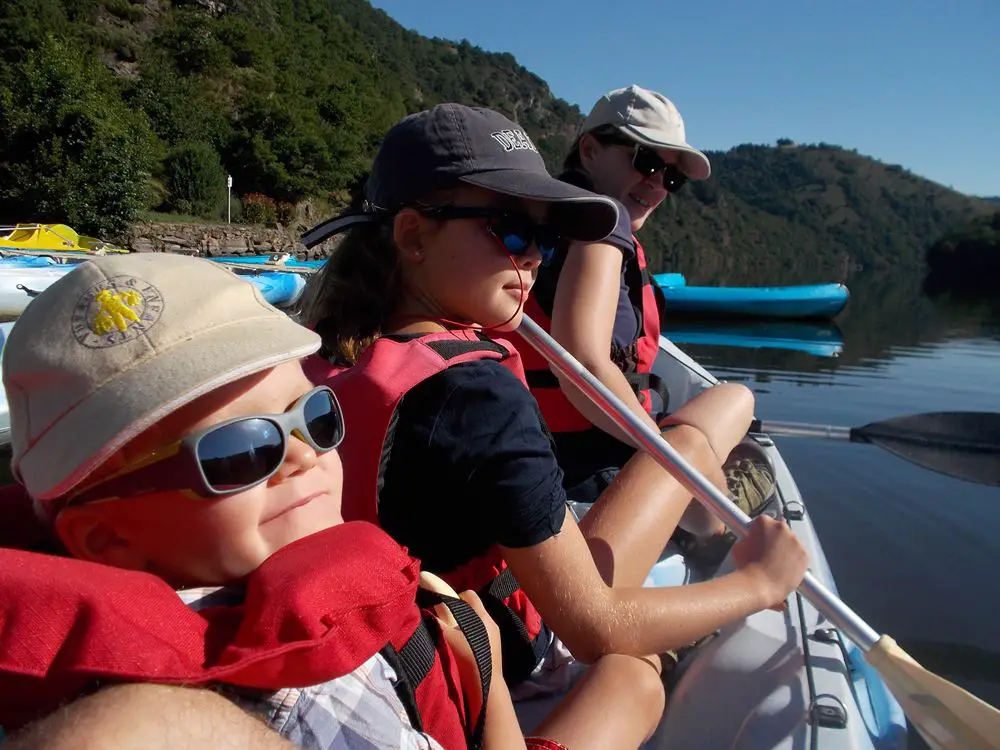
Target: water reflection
(888, 316)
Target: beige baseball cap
(650, 119)
(122, 341)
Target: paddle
(948, 717)
(962, 444)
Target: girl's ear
(409, 229)
(87, 534)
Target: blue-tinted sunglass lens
(241, 453)
(323, 420)
(516, 244)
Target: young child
(451, 456)
(163, 426)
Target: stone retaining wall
(212, 240)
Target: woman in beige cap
(597, 300)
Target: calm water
(913, 552)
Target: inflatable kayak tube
(822, 301)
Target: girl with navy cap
(454, 459)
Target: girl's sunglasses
(228, 457)
(647, 162)
(515, 231)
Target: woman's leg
(617, 703)
(723, 413)
(633, 519)
(630, 524)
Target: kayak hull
(292, 263)
(820, 301)
(53, 237)
(18, 285)
(4, 409)
(774, 681)
(20, 281)
(280, 289)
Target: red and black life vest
(315, 610)
(369, 393)
(635, 360)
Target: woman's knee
(737, 398)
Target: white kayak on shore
(775, 681)
(20, 282)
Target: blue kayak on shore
(280, 289)
(818, 301)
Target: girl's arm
(583, 318)
(593, 619)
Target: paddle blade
(947, 717)
(965, 445)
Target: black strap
(412, 663)
(643, 381)
(541, 378)
(521, 653)
(475, 633)
(449, 349)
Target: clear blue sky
(911, 82)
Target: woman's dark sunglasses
(228, 457)
(647, 162)
(517, 232)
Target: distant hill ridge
(292, 97)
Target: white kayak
(20, 284)
(775, 681)
(4, 410)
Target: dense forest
(109, 108)
(968, 257)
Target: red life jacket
(315, 610)
(369, 393)
(635, 360)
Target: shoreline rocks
(212, 240)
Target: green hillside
(111, 107)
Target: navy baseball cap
(451, 143)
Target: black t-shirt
(470, 466)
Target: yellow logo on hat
(116, 310)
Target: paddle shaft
(801, 429)
(849, 622)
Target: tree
(195, 179)
(70, 150)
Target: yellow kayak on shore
(54, 237)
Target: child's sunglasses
(517, 232)
(228, 457)
(646, 161)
